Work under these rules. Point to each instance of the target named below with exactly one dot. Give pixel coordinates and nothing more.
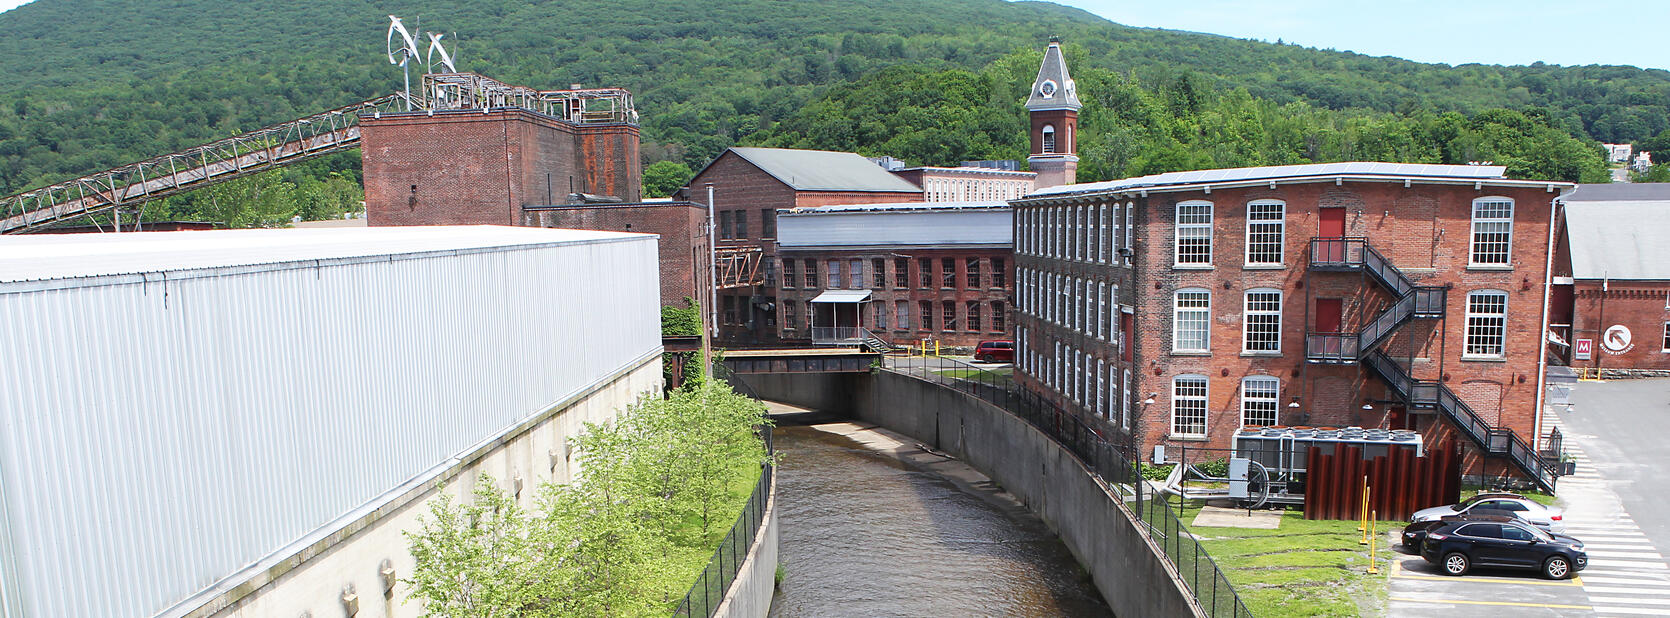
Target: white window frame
(1125, 400)
(1114, 237)
(1262, 312)
(1260, 225)
(1102, 407)
(1260, 395)
(1196, 315)
(1483, 326)
(1193, 225)
(1046, 141)
(1666, 347)
(1195, 399)
(1485, 227)
(1130, 210)
(1101, 310)
(1102, 235)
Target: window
(1000, 277)
(809, 313)
(948, 273)
(1492, 231)
(901, 310)
(924, 273)
(834, 272)
(741, 224)
(973, 324)
(788, 316)
(1102, 408)
(881, 315)
(1076, 322)
(1261, 324)
(811, 273)
(1049, 139)
(971, 270)
(1102, 236)
(730, 309)
(768, 223)
(1191, 320)
(949, 307)
(1265, 232)
(1125, 400)
(1194, 233)
(878, 273)
(927, 307)
(1188, 406)
(1101, 310)
(788, 274)
(1258, 400)
(855, 277)
(725, 225)
(901, 273)
(1487, 320)
(1666, 347)
(997, 317)
(1130, 209)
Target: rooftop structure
(821, 170)
(1491, 175)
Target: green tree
(662, 178)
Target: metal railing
(709, 590)
(1117, 464)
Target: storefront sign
(1584, 349)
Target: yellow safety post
(1373, 516)
(936, 347)
(1366, 513)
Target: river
(866, 534)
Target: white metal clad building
(178, 405)
(903, 224)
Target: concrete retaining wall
(756, 582)
(1128, 570)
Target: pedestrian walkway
(1627, 576)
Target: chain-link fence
(1119, 464)
(709, 590)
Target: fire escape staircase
(1364, 346)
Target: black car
(1456, 547)
(1415, 532)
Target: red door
(1327, 322)
(1331, 226)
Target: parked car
(1456, 547)
(1549, 518)
(995, 351)
(1415, 533)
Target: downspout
(1542, 328)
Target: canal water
(865, 534)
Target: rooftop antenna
(408, 49)
(446, 58)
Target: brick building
(1611, 301)
(969, 183)
(749, 186)
(1349, 294)
(482, 166)
(682, 247)
(902, 273)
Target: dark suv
(1415, 533)
(1456, 547)
(995, 351)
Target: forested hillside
(96, 83)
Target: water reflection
(865, 535)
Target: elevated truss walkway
(297, 140)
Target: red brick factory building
(902, 273)
(1376, 295)
(1611, 310)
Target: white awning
(843, 296)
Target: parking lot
(1419, 589)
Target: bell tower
(1054, 106)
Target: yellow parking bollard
(1372, 569)
(1365, 527)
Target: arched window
(1487, 324)
(1259, 395)
(1188, 406)
(1049, 139)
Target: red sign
(1585, 348)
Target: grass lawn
(1001, 374)
(1303, 568)
(690, 550)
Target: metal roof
(822, 170)
(893, 207)
(66, 256)
(1620, 191)
(1279, 173)
(842, 296)
(1054, 88)
(1619, 240)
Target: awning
(843, 296)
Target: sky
(1568, 32)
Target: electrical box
(1238, 477)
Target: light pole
(711, 315)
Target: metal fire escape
(297, 140)
(1364, 346)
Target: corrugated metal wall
(157, 437)
(978, 227)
